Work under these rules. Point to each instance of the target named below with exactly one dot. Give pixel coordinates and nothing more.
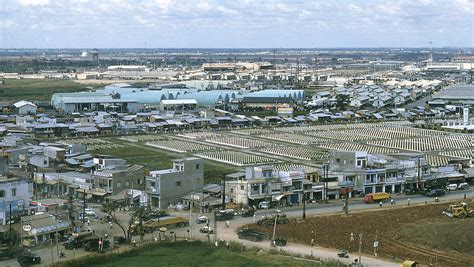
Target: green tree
(341, 101)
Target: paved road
(229, 233)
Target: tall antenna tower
(297, 69)
(274, 62)
(431, 53)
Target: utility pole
(215, 226)
(84, 207)
(274, 227)
(376, 243)
(326, 174)
(52, 253)
(223, 193)
(360, 249)
(10, 225)
(347, 200)
(304, 205)
(419, 175)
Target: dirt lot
(418, 233)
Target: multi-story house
(14, 197)
(167, 187)
(262, 183)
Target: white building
(25, 107)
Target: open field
(418, 233)
(156, 159)
(34, 90)
(197, 254)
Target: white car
(264, 205)
(90, 212)
(206, 230)
(452, 187)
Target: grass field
(38, 90)
(193, 254)
(156, 159)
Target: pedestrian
(227, 223)
(380, 203)
(110, 225)
(436, 199)
(464, 195)
(254, 218)
(391, 201)
(408, 200)
(312, 242)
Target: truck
(251, 234)
(27, 258)
(225, 215)
(376, 197)
(155, 224)
(77, 240)
(459, 210)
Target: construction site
(435, 234)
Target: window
(13, 192)
(178, 183)
(152, 184)
(127, 183)
(118, 184)
(242, 188)
(338, 160)
(2, 193)
(197, 166)
(198, 180)
(139, 181)
(232, 190)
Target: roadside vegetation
(197, 254)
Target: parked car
(279, 242)
(202, 219)
(264, 205)
(452, 187)
(463, 186)
(206, 230)
(435, 193)
(247, 212)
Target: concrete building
(114, 181)
(14, 196)
(168, 187)
(262, 183)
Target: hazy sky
(234, 23)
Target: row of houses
(364, 173)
